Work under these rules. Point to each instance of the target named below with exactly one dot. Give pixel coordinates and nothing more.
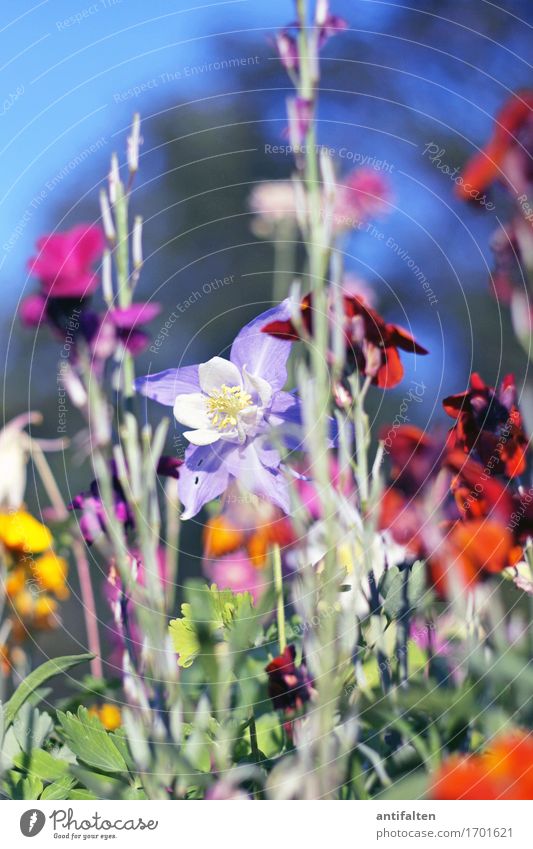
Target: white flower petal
(216, 372)
(201, 437)
(190, 410)
(259, 385)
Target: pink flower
(236, 572)
(64, 261)
(364, 195)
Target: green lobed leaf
(90, 742)
(209, 611)
(41, 764)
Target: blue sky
(73, 72)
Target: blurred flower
(372, 344)
(125, 627)
(364, 195)
(489, 425)
(272, 203)
(231, 407)
(21, 533)
(473, 539)
(122, 326)
(507, 155)
(236, 572)
(247, 522)
(93, 521)
(503, 771)
(51, 573)
(64, 262)
(108, 714)
(13, 459)
(289, 686)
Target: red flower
(489, 423)
(289, 686)
(372, 344)
(507, 151)
(473, 539)
(503, 771)
(64, 262)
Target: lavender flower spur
(231, 407)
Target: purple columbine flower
(230, 408)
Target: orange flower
(108, 714)
(489, 164)
(222, 537)
(503, 771)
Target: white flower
(13, 459)
(230, 405)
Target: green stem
(280, 604)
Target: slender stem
(403, 631)
(280, 604)
(172, 539)
(82, 564)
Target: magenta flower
(64, 262)
(64, 268)
(230, 408)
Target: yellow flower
(109, 715)
(51, 572)
(20, 532)
(24, 604)
(44, 613)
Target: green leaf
(41, 764)
(31, 727)
(403, 591)
(36, 679)
(60, 789)
(30, 787)
(90, 742)
(209, 611)
(269, 735)
(82, 795)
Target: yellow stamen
(223, 407)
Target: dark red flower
(289, 686)
(372, 344)
(489, 424)
(507, 155)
